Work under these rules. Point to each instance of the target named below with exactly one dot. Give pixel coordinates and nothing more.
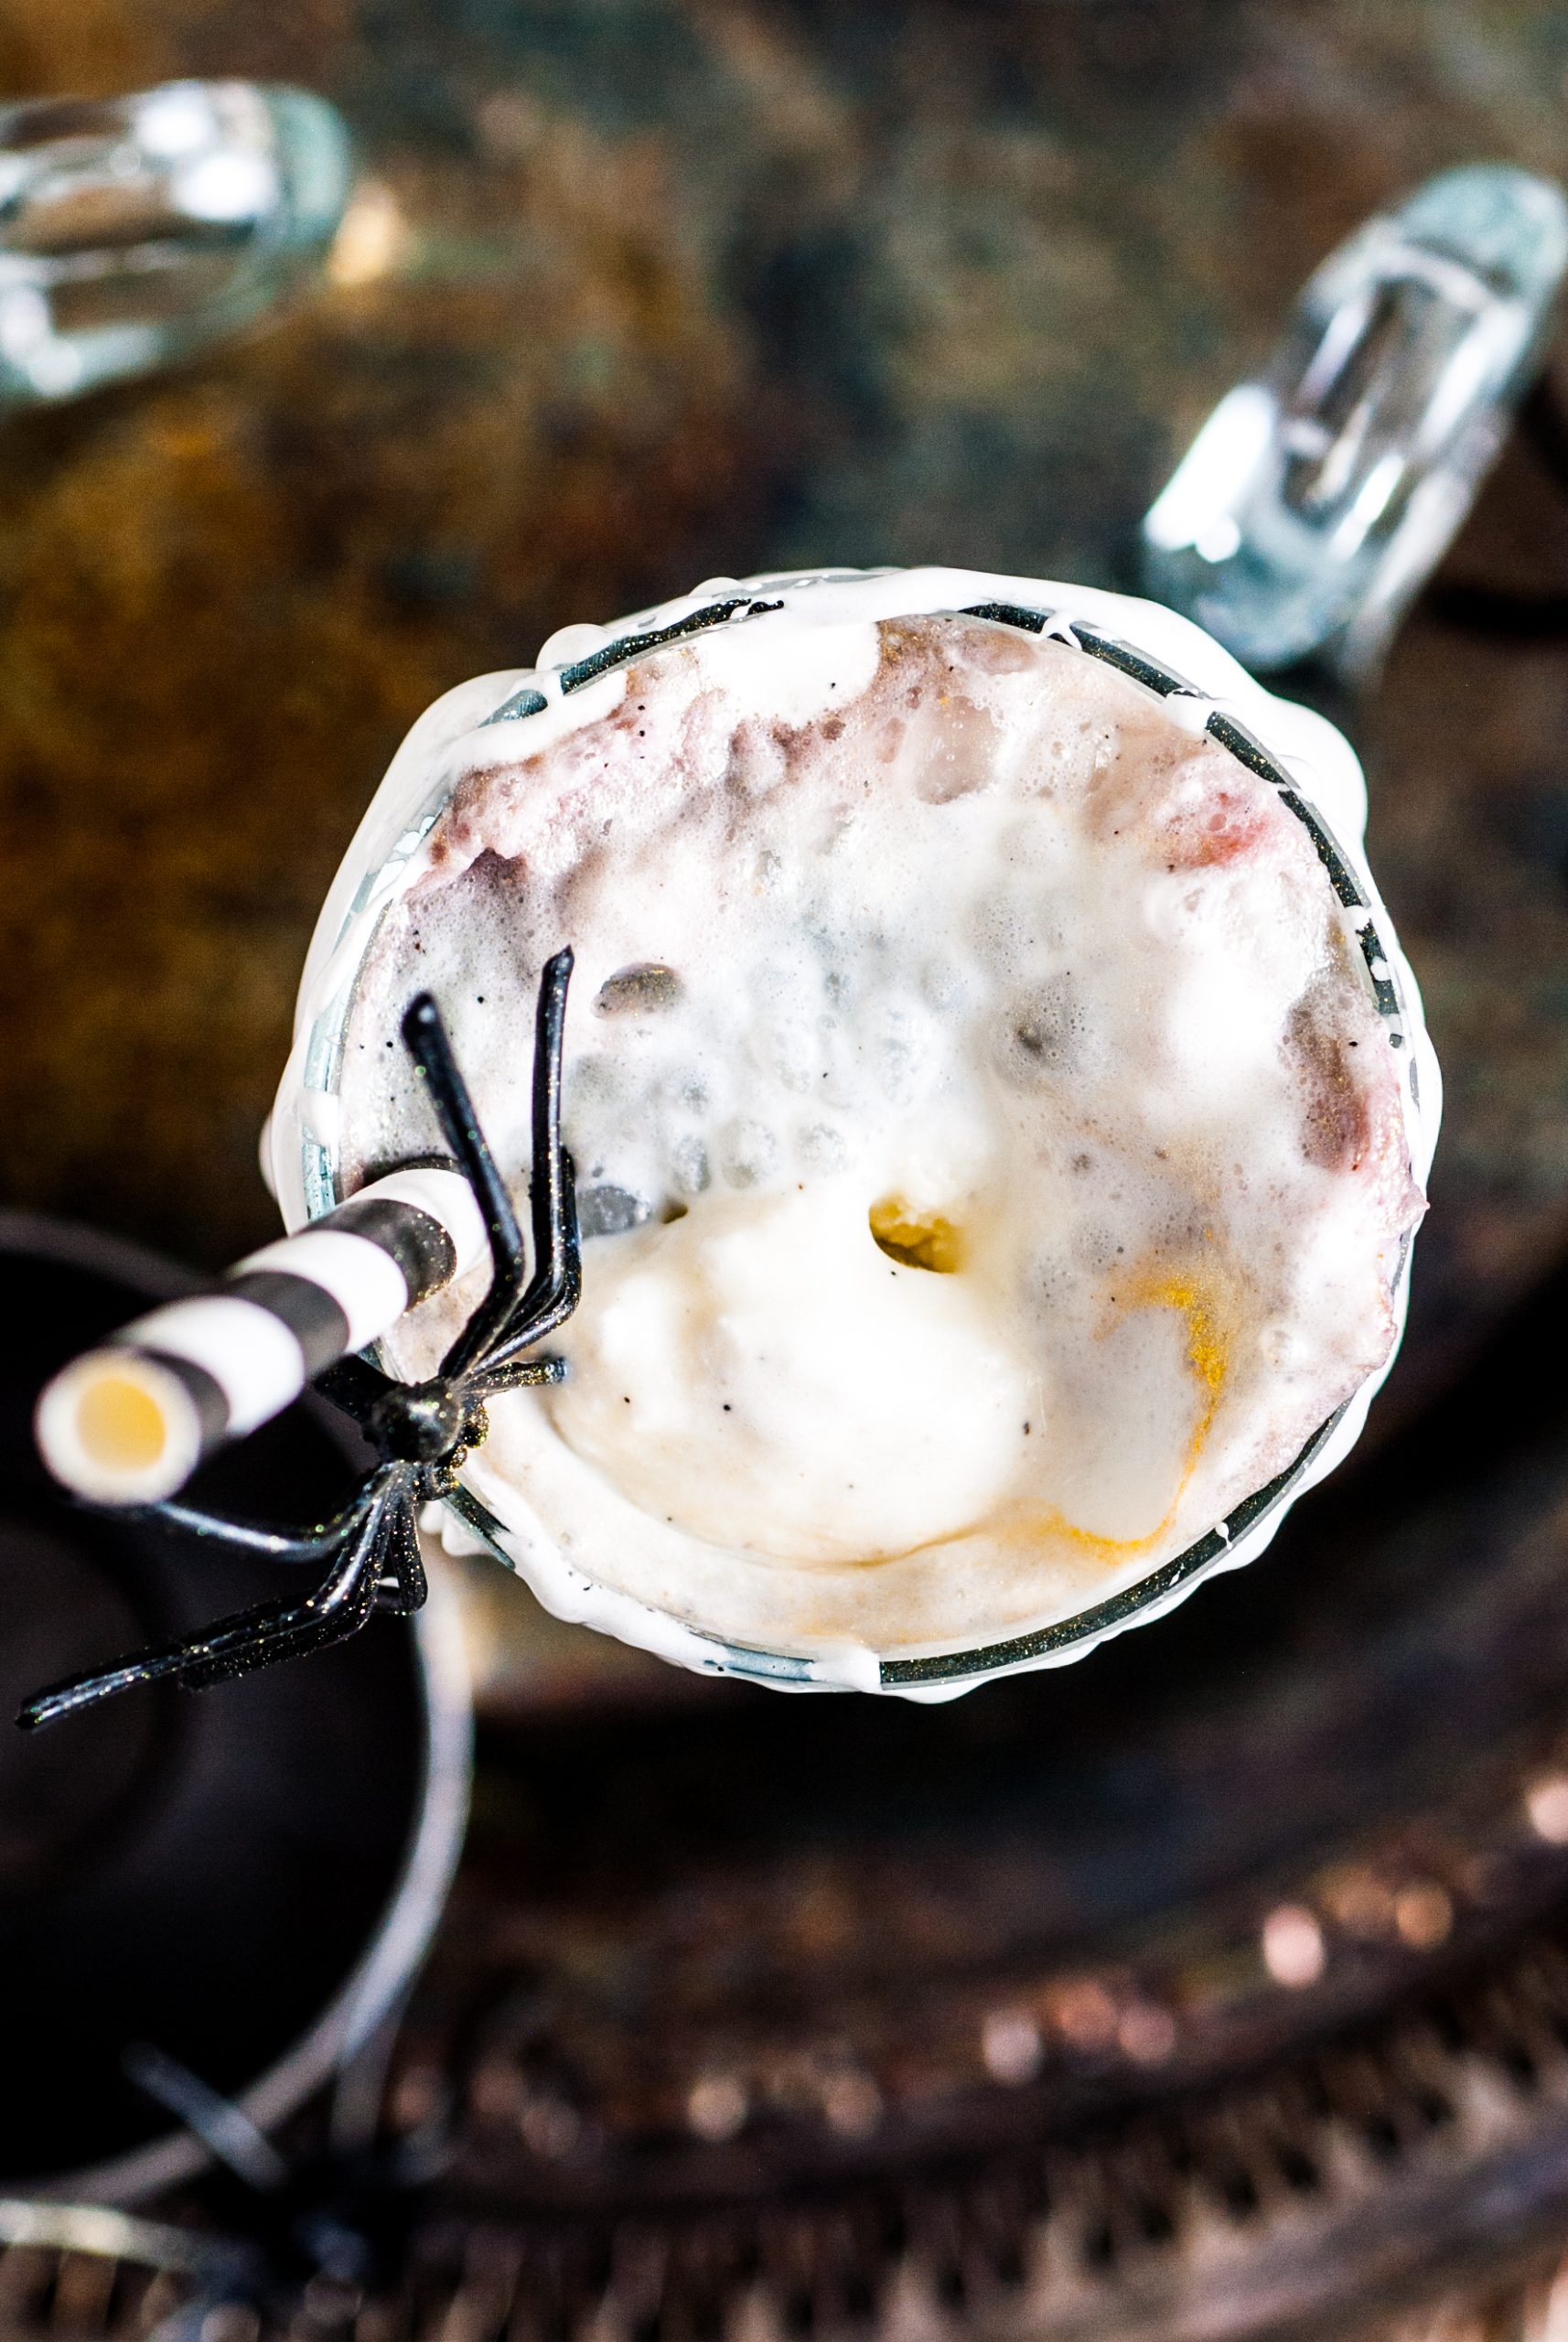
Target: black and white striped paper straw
(129, 1424)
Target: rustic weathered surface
(655, 288)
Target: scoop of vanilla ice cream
(765, 1376)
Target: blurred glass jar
(1317, 499)
(136, 230)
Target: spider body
(424, 1422)
(420, 1432)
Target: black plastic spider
(421, 1430)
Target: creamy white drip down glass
(918, 1167)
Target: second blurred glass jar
(136, 229)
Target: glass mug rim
(1231, 1543)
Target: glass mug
(1317, 777)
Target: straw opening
(119, 1429)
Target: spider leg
(273, 1630)
(426, 1038)
(552, 1200)
(513, 1373)
(272, 1544)
(552, 1193)
(401, 1586)
(557, 1282)
(557, 1290)
(281, 1629)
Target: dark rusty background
(646, 289)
